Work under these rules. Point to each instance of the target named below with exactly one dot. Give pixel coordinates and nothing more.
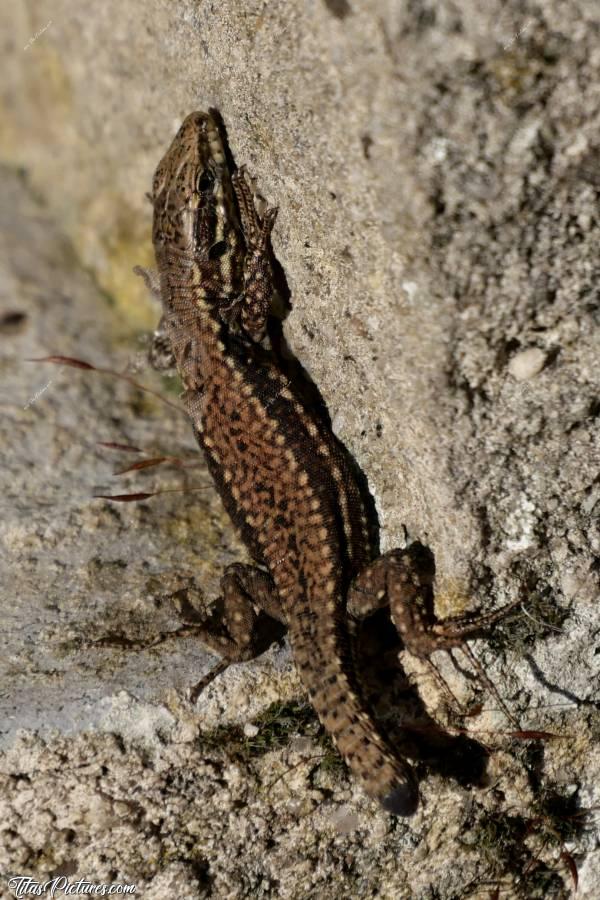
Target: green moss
(560, 818)
(331, 762)
(538, 617)
(500, 841)
(277, 725)
(171, 384)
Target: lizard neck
(191, 315)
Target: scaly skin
(286, 481)
(288, 484)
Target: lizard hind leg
(151, 279)
(404, 579)
(422, 634)
(160, 352)
(239, 633)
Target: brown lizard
(288, 484)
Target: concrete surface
(436, 170)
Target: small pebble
(344, 820)
(526, 364)
(250, 730)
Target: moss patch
(277, 726)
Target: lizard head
(195, 211)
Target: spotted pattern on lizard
(288, 484)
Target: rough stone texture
(436, 168)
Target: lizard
(287, 482)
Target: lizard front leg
(160, 354)
(255, 303)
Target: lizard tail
(385, 776)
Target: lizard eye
(217, 250)
(206, 179)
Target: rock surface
(436, 170)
